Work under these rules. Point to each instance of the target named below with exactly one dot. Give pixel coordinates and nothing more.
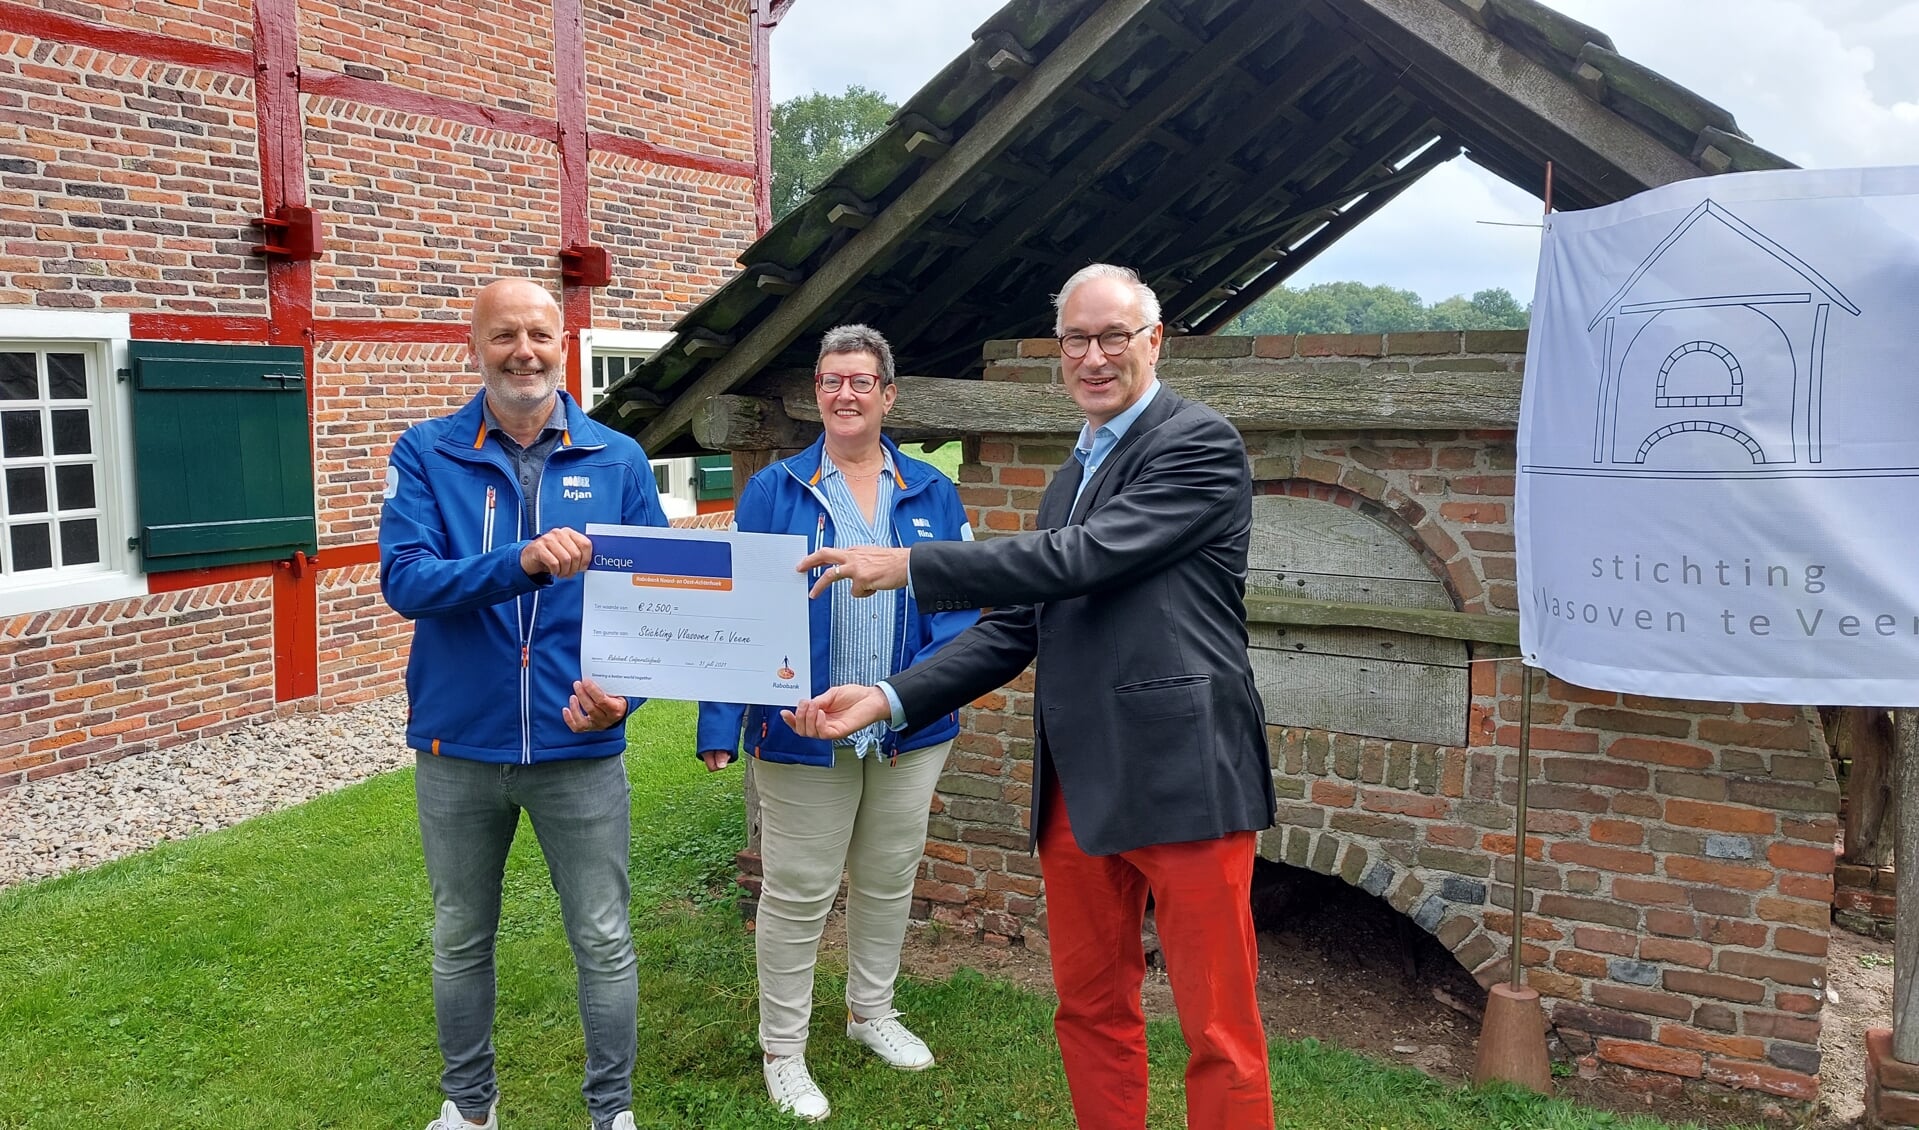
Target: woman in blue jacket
(859, 804)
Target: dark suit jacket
(1133, 601)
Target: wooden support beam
(1480, 70)
(925, 145)
(1170, 29)
(1297, 257)
(1863, 737)
(986, 140)
(848, 216)
(1011, 168)
(1264, 606)
(1258, 399)
(1197, 295)
(1321, 203)
(749, 423)
(1175, 92)
(1030, 311)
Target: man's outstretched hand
(840, 712)
(871, 569)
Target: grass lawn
(276, 974)
(947, 459)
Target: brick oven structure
(182, 184)
(1680, 854)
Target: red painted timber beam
(21, 19)
(569, 78)
(276, 93)
(390, 97)
(661, 155)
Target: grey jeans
(581, 814)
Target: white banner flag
(1718, 490)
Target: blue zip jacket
(495, 652)
(784, 499)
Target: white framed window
(608, 354)
(66, 488)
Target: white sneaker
(793, 1089)
(451, 1118)
(622, 1121)
(892, 1041)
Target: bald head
(519, 345)
(511, 296)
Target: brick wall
(1680, 854)
(675, 74)
(364, 396)
(657, 280)
(86, 686)
(497, 55)
(424, 211)
(125, 184)
(363, 643)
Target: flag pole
(1512, 1036)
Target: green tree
(1351, 307)
(1331, 308)
(1494, 309)
(813, 134)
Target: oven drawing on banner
(1715, 353)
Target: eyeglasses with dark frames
(859, 382)
(1112, 343)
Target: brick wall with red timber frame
(441, 149)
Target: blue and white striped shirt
(863, 627)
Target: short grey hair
(1148, 301)
(856, 338)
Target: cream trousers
(868, 817)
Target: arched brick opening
(1360, 782)
(1377, 510)
(1452, 908)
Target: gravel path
(87, 817)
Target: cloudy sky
(1824, 83)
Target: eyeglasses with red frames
(1112, 343)
(859, 382)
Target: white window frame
(624, 343)
(680, 500)
(118, 576)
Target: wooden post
(1905, 989)
(1863, 736)
(1519, 823)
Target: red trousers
(1096, 905)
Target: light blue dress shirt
(862, 636)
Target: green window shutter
(222, 456)
(713, 477)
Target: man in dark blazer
(1151, 743)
